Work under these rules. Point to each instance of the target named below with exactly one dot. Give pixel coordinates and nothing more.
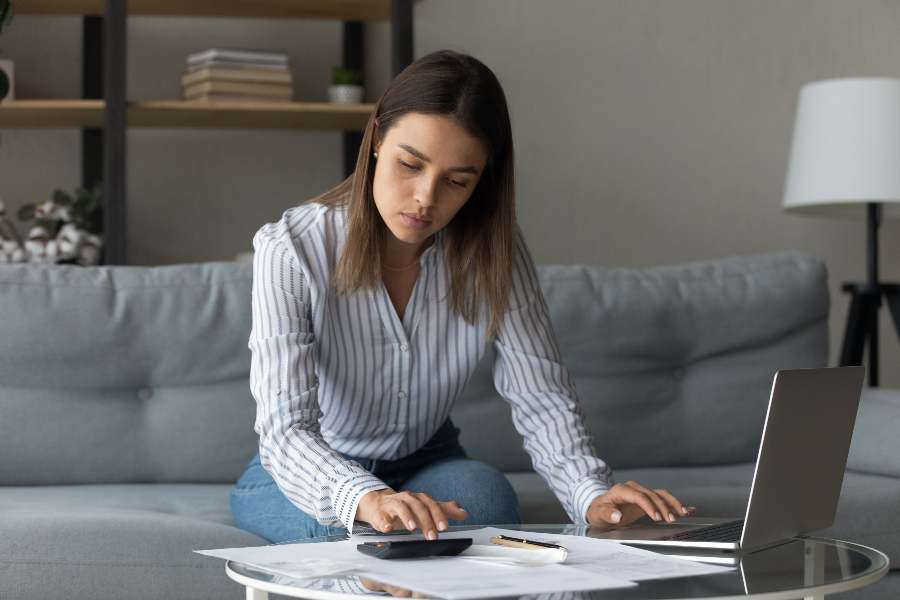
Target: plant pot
(345, 94)
(7, 82)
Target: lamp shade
(846, 148)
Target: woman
(372, 305)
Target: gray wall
(647, 131)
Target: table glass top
(801, 563)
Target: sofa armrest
(876, 437)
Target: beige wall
(647, 131)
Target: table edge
(792, 594)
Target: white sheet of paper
(591, 564)
(447, 577)
(306, 569)
(461, 579)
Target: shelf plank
(252, 115)
(342, 10)
(51, 113)
(193, 114)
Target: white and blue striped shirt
(343, 373)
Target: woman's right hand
(386, 510)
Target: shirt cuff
(347, 493)
(584, 494)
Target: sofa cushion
(92, 541)
(876, 440)
(142, 370)
(673, 364)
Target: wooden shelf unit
(188, 114)
(341, 10)
(105, 114)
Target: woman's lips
(414, 222)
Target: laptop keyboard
(724, 532)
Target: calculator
(415, 548)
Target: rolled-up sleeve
(529, 373)
(283, 381)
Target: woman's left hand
(627, 502)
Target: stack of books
(230, 74)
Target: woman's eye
(415, 168)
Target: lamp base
(862, 323)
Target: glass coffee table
(807, 568)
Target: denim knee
(482, 490)
(502, 506)
(260, 507)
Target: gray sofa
(126, 417)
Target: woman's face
(426, 170)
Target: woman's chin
(408, 236)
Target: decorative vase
(345, 94)
(7, 81)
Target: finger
(674, 502)
(377, 586)
(437, 512)
(422, 514)
(382, 521)
(662, 509)
(397, 592)
(453, 510)
(401, 510)
(634, 496)
(371, 585)
(607, 513)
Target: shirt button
(404, 347)
(401, 394)
(144, 393)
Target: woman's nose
(426, 192)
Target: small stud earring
(375, 154)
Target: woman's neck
(401, 254)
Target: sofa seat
(112, 536)
(868, 513)
(116, 537)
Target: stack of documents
(234, 74)
(590, 564)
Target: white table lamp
(844, 162)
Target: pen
(504, 540)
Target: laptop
(798, 475)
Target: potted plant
(64, 230)
(346, 86)
(6, 65)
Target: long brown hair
(480, 240)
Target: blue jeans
(440, 468)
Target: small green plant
(344, 76)
(6, 14)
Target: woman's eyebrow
(417, 154)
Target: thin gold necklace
(415, 262)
